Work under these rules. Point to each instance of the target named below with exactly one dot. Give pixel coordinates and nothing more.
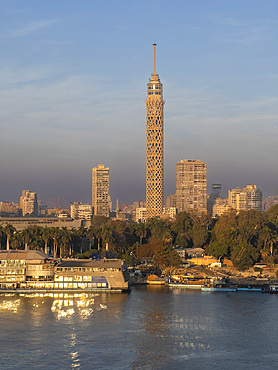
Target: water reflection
(147, 329)
(155, 324)
(10, 305)
(63, 305)
(70, 304)
(74, 353)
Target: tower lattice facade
(154, 152)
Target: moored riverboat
(250, 289)
(186, 281)
(34, 271)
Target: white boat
(218, 289)
(185, 285)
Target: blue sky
(73, 78)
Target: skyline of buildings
(249, 197)
(191, 175)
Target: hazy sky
(73, 78)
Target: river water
(149, 328)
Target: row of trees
(244, 237)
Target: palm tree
(26, 236)
(65, 239)
(55, 234)
(2, 233)
(16, 241)
(91, 234)
(46, 237)
(9, 231)
(81, 232)
(107, 236)
(98, 232)
(140, 231)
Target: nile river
(150, 328)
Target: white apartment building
(29, 203)
(80, 211)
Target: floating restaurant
(25, 270)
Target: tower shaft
(154, 145)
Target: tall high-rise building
(191, 185)
(29, 203)
(154, 147)
(100, 190)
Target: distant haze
(73, 82)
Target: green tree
(140, 231)
(182, 230)
(15, 241)
(99, 221)
(272, 215)
(26, 237)
(156, 228)
(46, 235)
(64, 242)
(82, 234)
(2, 234)
(244, 255)
(225, 230)
(183, 223)
(201, 230)
(9, 231)
(55, 235)
(166, 256)
(107, 236)
(217, 249)
(98, 232)
(91, 234)
(161, 252)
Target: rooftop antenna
(154, 69)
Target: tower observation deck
(154, 144)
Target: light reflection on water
(150, 328)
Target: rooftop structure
(21, 223)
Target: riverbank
(240, 280)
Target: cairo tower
(154, 135)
